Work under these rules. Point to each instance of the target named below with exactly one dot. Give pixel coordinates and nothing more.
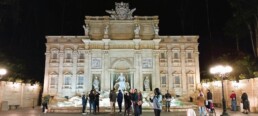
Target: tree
(16, 69)
(243, 64)
(244, 19)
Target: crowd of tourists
(132, 99)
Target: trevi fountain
(120, 52)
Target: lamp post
(222, 71)
(2, 72)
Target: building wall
(249, 86)
(24, 95)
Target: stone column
(183, 72)
(87, 73)
(132, 79)
(156, 78)
(169, 76)
(138, 67)
(46, 75)
(105, 77)
(74, 72)
(90, 71)
(197, 69)
(60, 73)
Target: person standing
(233, 101)
(92, 101)
(84, 103)
(140, 102)
(112, 97)
(209, 99)
(201, 105)
(245, 102)
(128, 103)
(168, 100)
(157, 102)
(120, 100)
(45, 100)
(97, 101)
(135, 102)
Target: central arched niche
(122, 65)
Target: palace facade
(121, 43)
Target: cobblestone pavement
(37, 112)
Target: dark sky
(25, 23)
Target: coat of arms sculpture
(121, 12)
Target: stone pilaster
(156, 78)
(169, 75)
(87, 60)
(74, 72)
(197, 69)
(105, 77)
(46, 75)
(60, 74)
(138, 67)
(183, 71)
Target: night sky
(25, 23)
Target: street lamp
(222, 71)
(2, 72)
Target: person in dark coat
(128, 103)
(135, 103)
(92, 101)
(120, 100)
(140, 102)
(112, 97)
(245, 102)
(45, 101)
(209, 99)
(97, 100)
(168, 101)
(84, 103)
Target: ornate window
(190, 77)
(53, 80)
(81, 57)
(163, 80)
(68, 55)
(54, 55)
(67, 82)
(176, 57)
(80, 80)
(189, 57)
(177, 79)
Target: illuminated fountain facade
(121, 44)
